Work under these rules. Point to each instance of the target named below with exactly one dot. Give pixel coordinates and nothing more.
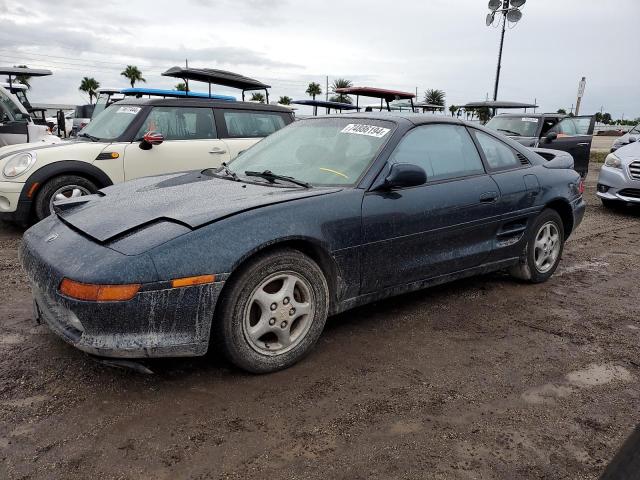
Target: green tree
(257, 97)
(90, 86)
(453, 109)
(341, 97)
(562, 111)
(314, 89)
(434, 96)
(285, 100)
(606, 118)
(484, 114)
(598, 117)
(133, 74)
(22, 79)
(181, 87)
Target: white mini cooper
(130, 139)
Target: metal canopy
(326, 104)
(429, 105)
(32, 72)
(218, 77)
(382, 93)
(497, 104)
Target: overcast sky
(400, 45)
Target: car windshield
(322, 151)
(635, 130)
(9, 111)
(516, 126)
(110, 123)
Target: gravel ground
(479, 379)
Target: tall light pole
(510, 11)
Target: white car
(130, 139)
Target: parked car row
(187, 134)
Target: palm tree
(314, 89)
(434, 96)
(285, 100)
(341, 97)
(257, 97)
(90, 86)
(453, 109)
(22, 79)
(484, 114)
(133, 74)
(181, 87)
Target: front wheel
(273, 311)
(59, 188)
(545, 242)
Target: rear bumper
(579, 207)
(159, 321)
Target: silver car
(619, 180)
(632, 135)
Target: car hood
(65, 150)
(629, 153)
(191, 199)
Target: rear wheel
(545, 242)
(59, 188)
(273, 312)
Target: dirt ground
(484, 378)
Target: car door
(575, 135)
(241, 129)
(190, 143)
(519, 188)
(443, 226)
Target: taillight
(581, 186)
(98, 293)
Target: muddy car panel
(369, 243)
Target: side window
(499, 155)
(566, 127)
(247, 124)
(180, 123)
(444, 151)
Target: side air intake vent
(522, 158)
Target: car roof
(399, 117)
(199, 102)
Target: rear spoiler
(555, 159)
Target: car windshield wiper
(90, 137)
(269, 175)
(229, 173)
(510, 132)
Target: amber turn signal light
(191, 281)
(98, 293)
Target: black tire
(527, 269)
(610, 204)
(228, 330)
(43, 199)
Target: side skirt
(419, 285)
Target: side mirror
(632, 139)
(551, 136)
(150, 139)
(403, 175)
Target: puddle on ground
(11, 339)
(590, 266)
(596, 375)
(25, 402)
(592, 376)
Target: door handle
(489, 197)
(217, 150)
(582, 144)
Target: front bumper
(12, 208)
(159, 321)
(616, 184)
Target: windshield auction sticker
(369, 130)
(130, 110)
(529, 119)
